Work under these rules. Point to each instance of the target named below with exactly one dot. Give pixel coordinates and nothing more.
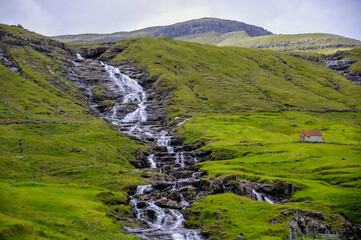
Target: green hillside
(59, 163)
(263, 147)
(208, 78)
(230, 96)
(215, 38)
(313, 42)
(64, 171)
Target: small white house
(311, 136)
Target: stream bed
(160, 207)
(159, 222)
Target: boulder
(166, 203)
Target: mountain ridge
(194, 26)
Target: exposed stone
(183, 174)
(142, 204)
(275, 220)
(151, 214)
(218, 216)
(205, 233)
(166, 203)
(186, 213)
(337, 63)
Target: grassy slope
(208, 82)
(59, 163)
(93, 37)
(204, 38)
(264, 147)
(313, 42)
(214, 38)
(208, 78)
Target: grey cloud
(54, 17)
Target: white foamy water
(262, 197)
(133, 93)
(78, 56)
(151, 161)
(164, 140)
(180, 159)
(162, 223)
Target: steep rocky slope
(347, 63)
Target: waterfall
(261, 197)
(132, 92)
(78, 56)
(151, 161)
(161, 223)
(164, 140)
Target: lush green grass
(238, 216)
(32, 210)
(62, 169)
(226, 216)
(263, 146)
(208, 78)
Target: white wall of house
(313, 139)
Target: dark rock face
(8, 61)
(313, 223)
(336, 63)
(209, 25)
(93, 53)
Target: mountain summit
(197, 26)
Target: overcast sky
(56, 17)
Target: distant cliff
(197, 26)
(209, 25)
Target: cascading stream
(162, 223)
(159, 206)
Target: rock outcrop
(303, 223)
(338, 63)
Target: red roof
(309, 133)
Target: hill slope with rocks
(156, 137)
